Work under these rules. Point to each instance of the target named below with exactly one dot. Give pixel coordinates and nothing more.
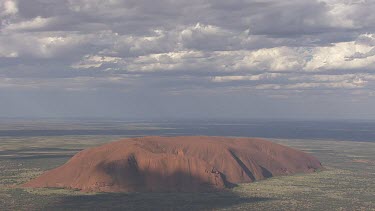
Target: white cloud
(95, 61)
(35, 23)
(42, 45)
(8, 7)
(314, 85)
(336, 57)
(273, 59)
(264, 76)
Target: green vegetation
(347, 183)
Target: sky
(304, 59)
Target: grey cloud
(362, 55)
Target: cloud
(8, 7)
(341, 56)
(210, 44)
(264, 76)
(95, 62)
(29, 25)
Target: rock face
(176, 164)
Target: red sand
(176, 164)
